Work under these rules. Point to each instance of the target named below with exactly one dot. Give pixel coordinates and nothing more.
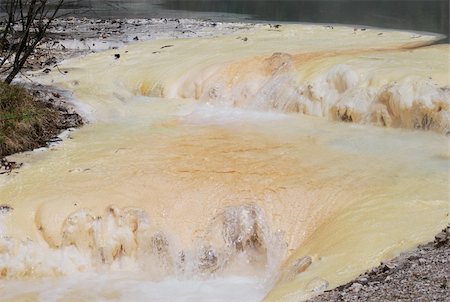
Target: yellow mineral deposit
(222, 157)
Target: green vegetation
(25, 123)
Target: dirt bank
(32, 116)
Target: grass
(25, 123)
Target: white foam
(122, 287)
(216, 114)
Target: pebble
(4, 209)
(356, 287)
(363, 280)
(420, 275)
(299, 266)
(317, 285)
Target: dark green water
(424, 15)
(416, 15)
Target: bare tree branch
(34, 18)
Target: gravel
(73, 37)
(419, 275)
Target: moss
(25, 123)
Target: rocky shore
(72, 37)
(420, 275)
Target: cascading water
(194, 183)
(121, 242)
(339, 93)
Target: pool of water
(417, 15)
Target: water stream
(270, 163)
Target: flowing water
(271, 163)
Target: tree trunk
(12, 75)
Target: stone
(208, 259)
(4, 209)
(317, 285)
(386, 266)
(299, 266)
(441, 238)
(363, 280)
(356, 287)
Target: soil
(54, 114)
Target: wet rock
(302, 264)
(160, 244)
(118, 232)
(442, 238)
(208, 259)
(278, 62)
(386, 266)
(299, 266)
(7, 166)
(78, 230)
(4, 209)
(243, 227)
(317, 285)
